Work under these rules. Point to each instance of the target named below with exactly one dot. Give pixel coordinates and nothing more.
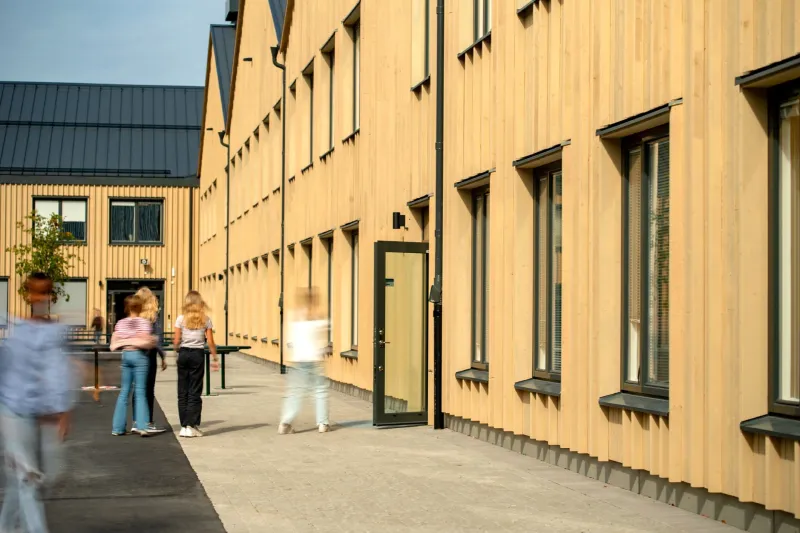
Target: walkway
(357, 478)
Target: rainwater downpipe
(436, 290)
(274, 50)
(227, 224)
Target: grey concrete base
(751, 517)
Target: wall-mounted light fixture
(144, 261)
(398, 220)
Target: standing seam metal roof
(278, 10)
(223, 39)
(99, 130)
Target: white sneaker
(152, 428)
(184, 432)
(324, 428)
(285, 429)
(196, 431)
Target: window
(785, 266)
(646, 247)
(420, 41)
(356, 75)
(354, 292)
(480, 277)
(482, 19)
(308, 74)
(71, 211)
(71, 310)
(330, 290)
(310, 257)
(331, 85)
(547, 298)
(136, 221)
(3, 303)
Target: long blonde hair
(194, 311)
(149, 304)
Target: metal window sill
(637, 403)
(527, 8)
(539, 386)
(421, 84)
(324, 156)
(473, 374)
(275, 342)
(352, 136)
(773, 426)
(152, 244)
(264, 340)
(307, 168)
(486, 38)
(350, 354)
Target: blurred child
(308, 334)
(97, 326)
(193, 329)
(133, 335)
(150, 312)
(36, 384)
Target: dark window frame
(483, 191)
(478, 31)
(136, 241)
(329, 249)
(5, 279)
(60, 200)
(355, 30)
(640, 141)
(354, 239)
(547, 172)
(331, 95)
(308, 74)
(776, 96)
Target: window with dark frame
(480, 277)
(136, 221)
(308, 74)
(71, 210)
(356, 75)
(646, 260)
(784, 209)
(330, 290)
(331, 99)
(3, 303)
(482, 19)
(548, 275)
(354, 291)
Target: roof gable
(278, 10)
(223, 39)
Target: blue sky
(159, 42)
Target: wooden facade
(534, 76)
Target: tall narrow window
(480, 277)
(786, 359)
(3, 303)
(330, 290)
(647, 249)
(331, 100)
(71, 211)
(354, 292)
(482, 19)
(136, 221)
(308, 74)
(420, 41)
(356, 75)
(548, 276)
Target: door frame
(379, 415)
(131, 285)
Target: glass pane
(356, 76)
(789, 271)
(405, 308)
(555, 363)
(486, 299)
(3, 303)
(330, 290)
(74, 216)
(634, 262)
(354, 303)
(149, 222)
(122, 214)
(332, 102)
(541, 304)
(72, 312)
(46, 208)
(658, 267)
(477, 281)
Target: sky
(142, 42)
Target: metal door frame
(379, 415)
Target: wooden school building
(620, 189)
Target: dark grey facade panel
(223, 39)
(84, 129)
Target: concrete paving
(358, 478)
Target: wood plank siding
(549, 76)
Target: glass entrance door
(400, 334)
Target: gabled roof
(223, 40)
(278, 10)
(72, 129)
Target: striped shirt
(132, 326)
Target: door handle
(381, 344)
(380, 369)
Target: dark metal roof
(278, 10)
(223, 39)
(72, 129)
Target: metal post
(208, 374)
(222, 368)
(283, 194)
(227, 224)
(96, 371)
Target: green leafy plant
(44, 251)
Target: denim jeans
(33, 460)
(134, 374)
(303, 378)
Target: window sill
(275, 342)
(324, 156)
(486, 38)
(136, 244)
(307, 168)
(352, 136)
(350, 354)
(264, 340)
(539, 386)
(473, 374)
(637, 403)
(526, 9)
(246, 337)
(773, 426)
(421, 84)
(291, 179)
(238, 336)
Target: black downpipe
(191, 238)
(274, 50)
(436, 290)
(227, 225)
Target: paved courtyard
(357, 478)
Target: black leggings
(152, 363)
(191, 370)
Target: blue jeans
(134, 373)
(303, 378)
(34, 458)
